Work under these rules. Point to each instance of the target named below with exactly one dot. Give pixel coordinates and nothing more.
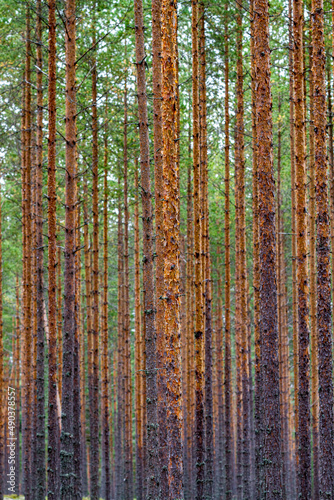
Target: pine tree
(324, 313)
(172, 247)
(272, 461)
(66, 439)
(53, 436)
(40, 397)
(151, 473)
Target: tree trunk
(66, 456)
(199, 326)
(324, 313)
(126, 325)
(104, 354)
(138, 354)
(229, 459)
(313, 293)
(272, 460)
(240, 205)
(152, 465)
(53, 436)
(40, 412)
(304, 445)
(209, 446)
(171, 230)
(94, 398)
(119, 441)
(27, 277)
(159, 243)
(77, 401)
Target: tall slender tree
(151, 473)
(199, 326)
(94, 397)
(228, 357)
(67, 462)
(40, 397)
(53, 436)
(304, 467)
(272, 461)
(171, 230)
(324, 312)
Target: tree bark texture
(152, 465)
(272, 459)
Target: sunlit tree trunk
(171, 231)
(159, 261)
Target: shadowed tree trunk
(209, 447)
(199, 326)
(138, 355)
(94, 396)
(105, 410)
(152, 442)
(242, 271)
(126, 325)
(229, 459)
(304, 446)
(53, 436)
(272, 459)
(313, 294)
(27, 267)
(40, 397)
(324, 313)
(77, 401)
(66, 455)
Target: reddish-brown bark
(228, 359)
(27, 268)
(94, 395)
(313, 294)
(128, 482)
(105, 410)
(159, 260)
(209, 447)
(272, 460)
(138, 354)
(67, 458)
(53, 436)
(199, 326)
(40, 396)
(304, 445)
(324, 312)
(152, 467)
(171, 231)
